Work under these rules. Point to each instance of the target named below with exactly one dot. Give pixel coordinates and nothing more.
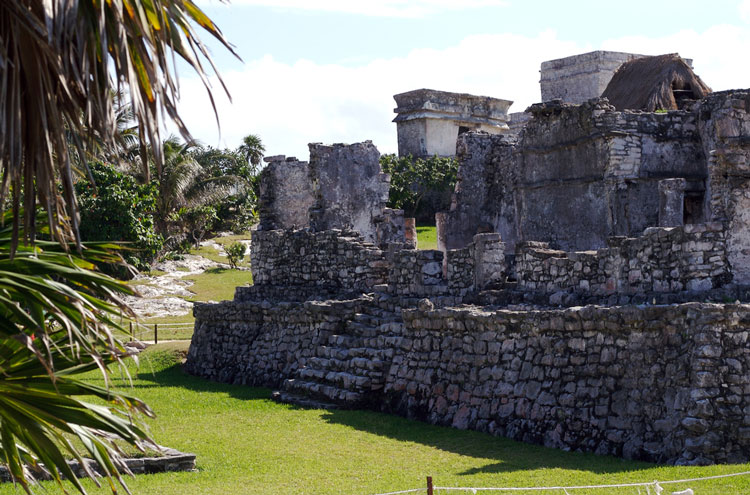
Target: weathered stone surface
(286, 194)
(575, 176)
(349, 187)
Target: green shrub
(421, 187)
(115, 208)
(235, 253)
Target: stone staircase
(350, 370)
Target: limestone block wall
(349, 187)
(676, 259)
(416, 273)
(659, 383)
(332, 258)
(260, 343)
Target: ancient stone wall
(660, 383)
(575, 176)
(261, 343)
(286, 194)
(690, 258)
(349, 186)
(331, 258)
(725, 129)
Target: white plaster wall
(441, 136)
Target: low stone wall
(691, 258)
(306, 261)
(260, 342)
(329, 258)
(660, 383)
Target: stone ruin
(589, 294)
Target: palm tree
(183, 183)
(252, 149)
(60, 62)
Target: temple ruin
(589, 292)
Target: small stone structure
(579, 78)
(429, 121)
(589, 292)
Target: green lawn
(247, 444)
(426, 237)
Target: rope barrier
(656, 485)
(413, 490)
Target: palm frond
(59, 63)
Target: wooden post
(429, 486)
(156, 333)
(131, 331)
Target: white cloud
(292, 105)
(744, 9)
(375, 8)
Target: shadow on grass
(503, 455)
(508, 455)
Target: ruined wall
(258, 343)
(575, 176)
(349, 187)
(342, 260)
(331, 258)
(660, 383)
(725, 129)
(691, 258)
(286, 194)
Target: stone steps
(302, 400)
(321, 391)
(350, 370)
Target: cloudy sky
(327, 70)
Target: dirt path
(164, 295)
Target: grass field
(426, 237)
(247, 444)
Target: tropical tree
(252, 149)
(187, 191)
(60, 62)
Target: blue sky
(326, 70)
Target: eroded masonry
(589, 293)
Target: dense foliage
(116, 208)
(421, 187)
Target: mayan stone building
(590, 292)
(429, 121)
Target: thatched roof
(654, 83)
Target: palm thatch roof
(663, 82)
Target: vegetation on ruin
(247, 444)
(420, 186)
